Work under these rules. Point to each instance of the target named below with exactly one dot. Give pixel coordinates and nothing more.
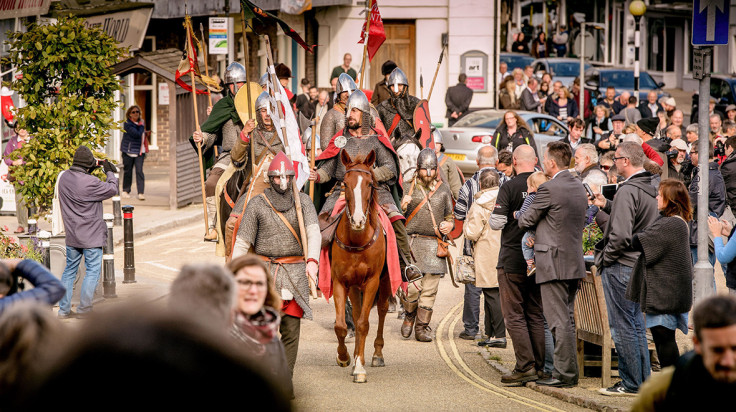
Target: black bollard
(45, 247)
(118, 220)
(108, 261)
(129, 258)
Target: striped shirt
(467, 196)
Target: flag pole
(297, 200)
(313, 147)
(247, 85)
(206, 69)
(442, 53)
(190, 49)
(365, 41)
(421, 85)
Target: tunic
(421, 229)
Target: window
(541, 125)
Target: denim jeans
(627, 319)
(93, 265)
(471, 308)
(526, 251)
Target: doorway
(400, 46)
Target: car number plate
(455, 156)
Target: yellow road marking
(484, 384)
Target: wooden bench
(591, 324)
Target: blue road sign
(710, 22)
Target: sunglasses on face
(605, 168)
(134, 112)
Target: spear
(206, 67)
(247, 85)
(315, 122)
(442, 53)
(421, 84)
(190, 49)
(365, 41)
(297, 200)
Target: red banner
(377, 35)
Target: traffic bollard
(129, 258)
(45, 247)
(108, 260)
(118, 220)
(32, 227)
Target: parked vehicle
(723, 89)
(516, 60)
(462, 140)
(561, 68)
(622, 79)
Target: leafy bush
(69, 90)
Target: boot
(409, 272)
(410, 315)
(211, 235)
(422, 331)
(211, 211)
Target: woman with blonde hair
(512, 132)
(257, 318)
(564, 107)
(599, 124)
(507, 95)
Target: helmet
(281, 166)
(397, 77)
(359, 101)
(345, 83)
(263, 100)
(427, 159)
(436, 135)
(263, 81)
(235, 73)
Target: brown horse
(358, 263)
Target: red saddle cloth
(392, 255)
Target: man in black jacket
(632, 210)
(716, 197)
(650, 107)
(728, 171)
(458, 100)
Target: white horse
(408, 152)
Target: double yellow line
(453, 316)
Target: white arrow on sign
(711, 5)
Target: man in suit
(558, 213)
(458, 100)
(530, 100)
(651, 106)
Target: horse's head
(408, 151)
(359, 184)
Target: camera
(719, 149)
(671, 154)
(99, 162)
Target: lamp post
(637, 9)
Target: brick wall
(160, 156)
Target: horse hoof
(360, 378)
(377, 362)
(343, 364)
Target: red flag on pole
(377, 35)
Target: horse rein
(356, 249)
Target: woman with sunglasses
(134, 147)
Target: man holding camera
(46, 288)
(679, 166)
(81, 195)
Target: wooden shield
(423, 122)
(241, 100)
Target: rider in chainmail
(264, 230)
(423, 226)
(360, 137)
(222, 128)
(265, 138)
(334, 120)
(397, 113)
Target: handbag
(465, 269)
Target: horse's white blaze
(358, 218)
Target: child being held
(533, 182)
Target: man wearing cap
(397, 113)
(676, 160)
(458, 99)
(670, 105)
(731, 112)
(651, 106)
(222, 128)
(610, 140)
(381, 92)
(80, 196)
(654, 149)
(270, 226)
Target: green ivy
(69, 90)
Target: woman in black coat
(520, 45)
(662, 278)
(134, 147)
(511, 133)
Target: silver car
(462, 140)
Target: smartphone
(591, 195)
(609, 191)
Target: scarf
(257, 330)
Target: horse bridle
(355, 249)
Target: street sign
(701, 62)
(710, 22)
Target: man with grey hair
(209, 289)
(677, 119)
(487, 159)
(633, 137)
(595, 179)
(586, 159)
(632, 210)
(673, 132)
